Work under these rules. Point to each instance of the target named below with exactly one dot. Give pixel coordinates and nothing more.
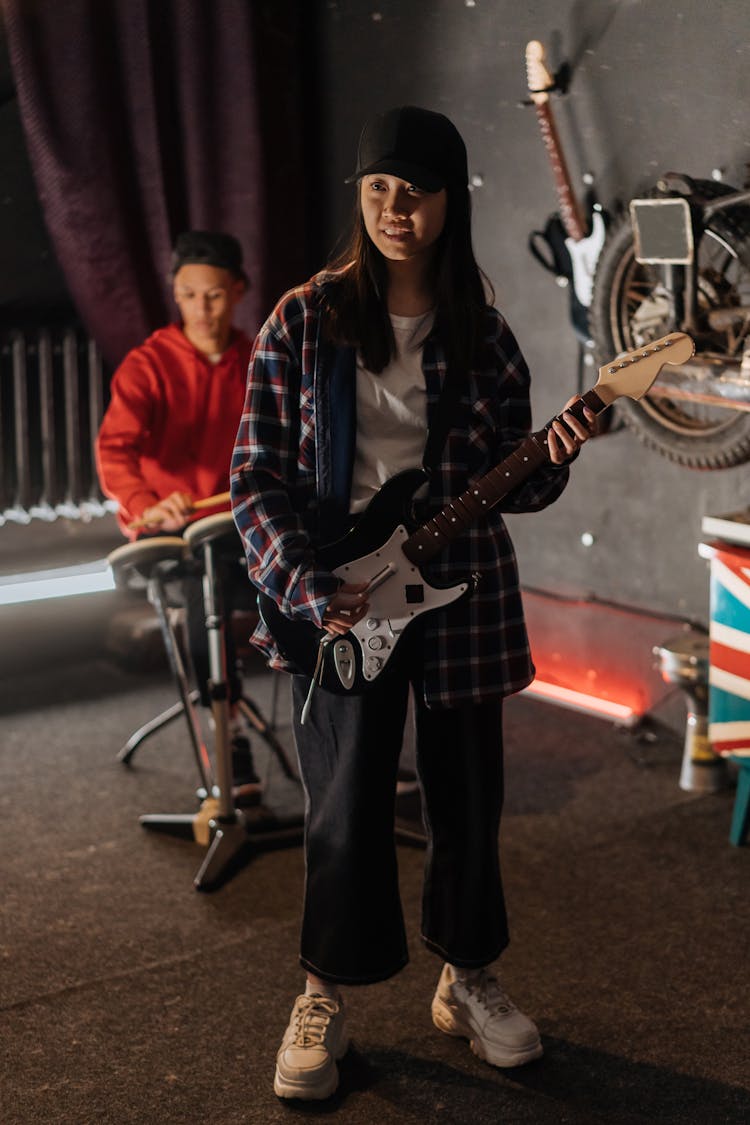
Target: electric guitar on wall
(584, 239)
(386, 549)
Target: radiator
(52, 397)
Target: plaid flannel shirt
(474, 649)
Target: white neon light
(64, 582)
(582, 701)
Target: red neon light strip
(581, 700)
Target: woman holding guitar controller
(389, 360)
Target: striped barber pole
(729, 653)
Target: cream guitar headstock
(633, 373)
(538, 77)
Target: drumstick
(206, 502)
(209, 501)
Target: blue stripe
(723, 707)
(726, 609)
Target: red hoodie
(171, 423)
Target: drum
(219, 529)
(683, 660)
(134, 564)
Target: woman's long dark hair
(356, 289)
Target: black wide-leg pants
(353, 927)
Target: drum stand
(229, 832)
(152, 561)
(125, 754)
(188, 697)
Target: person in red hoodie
(167, 436)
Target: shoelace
(488, 991)
(313, 1015)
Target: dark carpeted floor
(129, 997)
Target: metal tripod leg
(152, 726)
(239, 837)
(264, 729)
(157, 597)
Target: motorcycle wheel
(629, 308)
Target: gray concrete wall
(657, 86)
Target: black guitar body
(371, 552)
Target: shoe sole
(326, 1085)
(445, 1021)
(285, 1088)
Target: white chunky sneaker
(476, 1008)
(315, 1038)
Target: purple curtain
(147, 117)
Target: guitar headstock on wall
(632, 374)
(538, 77)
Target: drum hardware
(683, 660)
(151, 563)
(265, 728)
(266, 732)
(228, 832)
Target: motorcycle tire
(627, 311)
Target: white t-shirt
(391, 412)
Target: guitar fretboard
(570, 212)
(429, 539)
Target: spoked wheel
(630, 307)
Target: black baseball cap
(208, 248)
(415, 144)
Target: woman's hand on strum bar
(347, 606)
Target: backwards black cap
(415, 144)
(208, 248)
